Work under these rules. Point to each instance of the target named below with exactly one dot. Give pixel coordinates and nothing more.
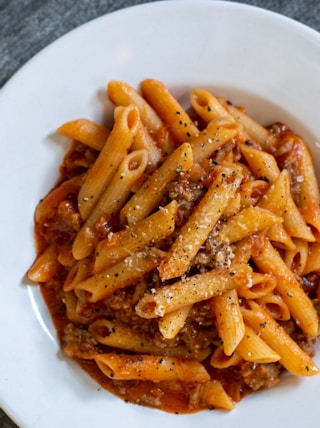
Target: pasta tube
(300, 305)
(191, 290)
(112, 199)
(149, 367)
(200, 223)
(116, 147)
(292, 357)
(144, 233)
(124, 273)
(150, 194)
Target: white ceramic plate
(254, 57)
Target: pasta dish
(179, 252)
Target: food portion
(179, 252)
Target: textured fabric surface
(27, 26)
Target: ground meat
(223, 151)
(260, 376)
(311, 284)
(305, 342)
(187, 194)
(68, 216)
(213, 255)
(77, 160)
(77, 342)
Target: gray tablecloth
(27, 26)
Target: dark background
(27, 26)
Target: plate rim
(38, 56)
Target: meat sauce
(57, 226)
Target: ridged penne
(213, 394)
(124, 273)
(230, 323)
(169, 110)
(86, 131)
(247, 222)
(109, 159)
(149, 367)
(200, 223)
(207, 106)
(117, 335)
(191, 290)
(253, 348)
(292, 357)
(171, 323)
(179, 253)
(136, 237)
(150, 194)
(111, 201)
(299, 303)
(219, 359)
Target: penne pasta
(212, 138)
(169, 110)
(49, 205)
(292, 357)
(130, 170)
(297, 259)
(146, 232)
(294, 222)
(275, 198)
(123, 94)
(298, 302)
(116, 147)
(280, 238)
(261, 163)
(144, 141)
(213, 394)
(178, 253)
(46, 266)
(86, 131)
(149, 367)
(200, 224)
(275, 305)
(171, 323)
(313, 261)
(191, 290)
(303, 179)
(260, 284)
(251, 192)
(116, 335)
(254, 129)
(81, 270)
(230, 323)
(150, 194)
(71, 302)
(253, 348)
(247, 222)
(126, 272)
(208, 106)
(219, 360)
